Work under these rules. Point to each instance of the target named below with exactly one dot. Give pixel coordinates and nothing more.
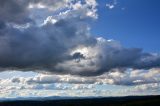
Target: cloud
(48, 4)
(50, 79)
(129, 77)
(62, 42)
(43, 82)
(152, 86)
(129, 82)
(13, 12)
(106, 55)
(112, 4)
(135, 77)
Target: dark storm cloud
(131, 58)
(17, 11)
(111, 58)
(14, 11)
(78, 56)
(40, 46)
(49, 47)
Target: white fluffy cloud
(152, 87)
(133, 82)
(128, 78)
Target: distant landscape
(100, 101)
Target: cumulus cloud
(13, 12)
(62, 42)
(49, 4)
(43, 82)
(127, 78)
(135, 77)
(152, 86)
(123, 83)
(106, 55)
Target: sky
(130, 22)
(79, 48)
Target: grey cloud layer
(133, 81)
(62, 44)
(128, 78)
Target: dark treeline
(108, 101)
